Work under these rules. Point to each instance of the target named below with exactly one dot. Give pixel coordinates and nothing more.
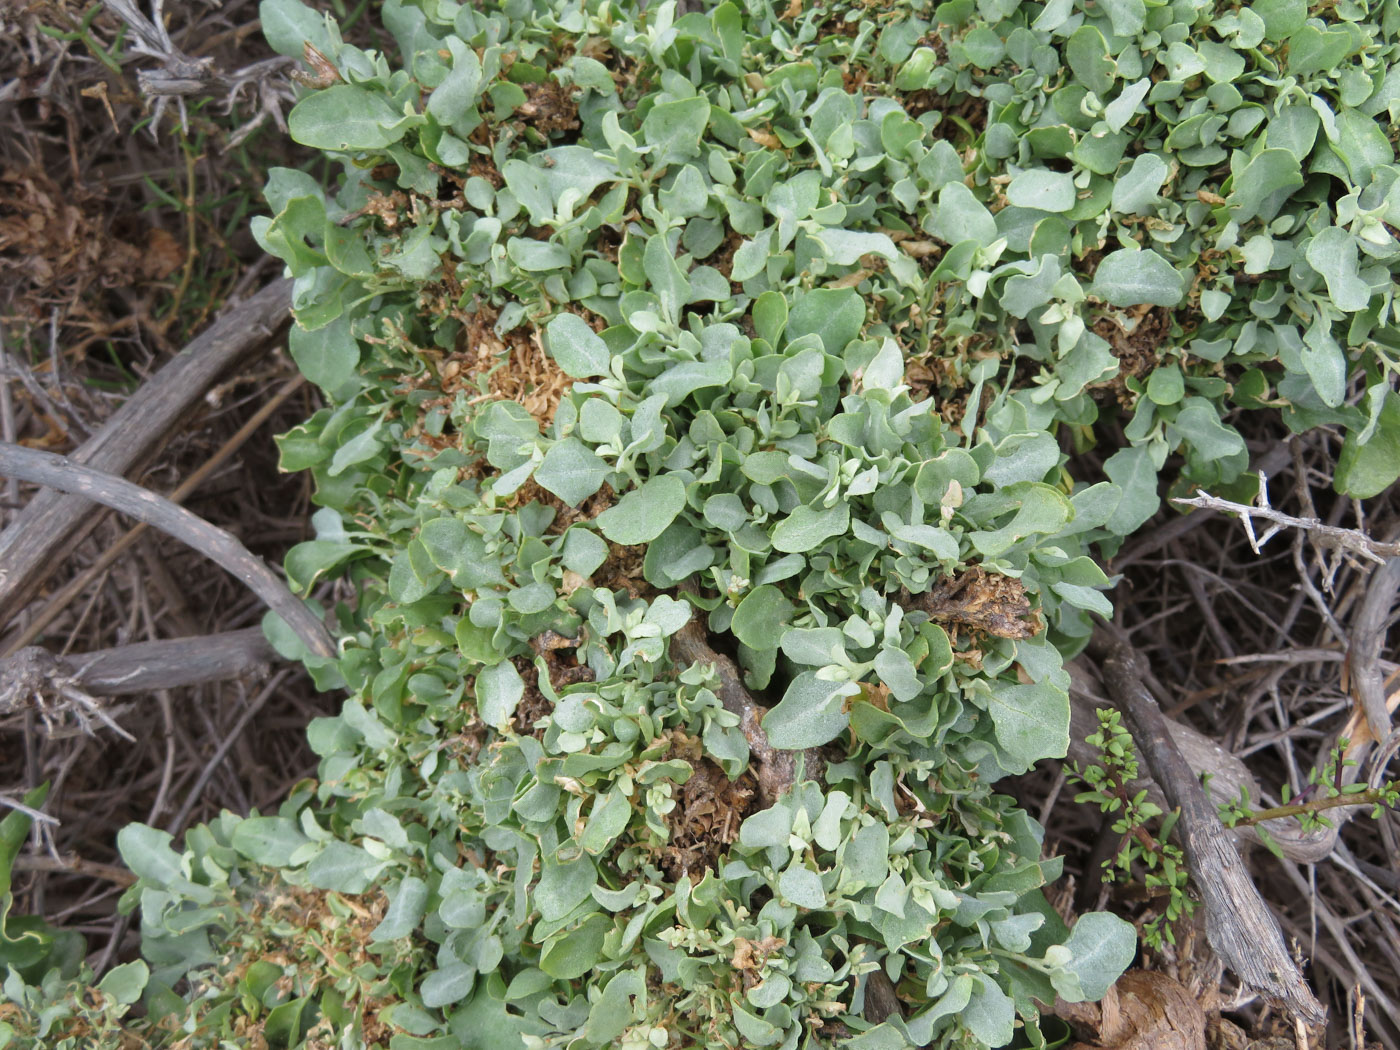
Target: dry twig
(1344, 541)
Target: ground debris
(709, 809)
(1143, 1011)
(980, 601)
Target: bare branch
(1345, 541)
(35, 542)
(1240, 925)
(221, 547)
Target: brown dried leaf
(1143, 1011)
(980, 601)
(766, 139)
(750, 955)
(709, 809)
(323, 72)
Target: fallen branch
(72, 865)
(221, 547)
(775, 769)
(144, 667)
(1366, 645)
(55, 603)
(38, 538)
(1239, 924)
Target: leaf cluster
(771, 320)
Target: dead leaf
(163, 255)
(981, 601)
(1143, 1011)
(709, 809)
(323, 72)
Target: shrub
(682, 366)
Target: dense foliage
(794, 331)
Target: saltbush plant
(681, 366)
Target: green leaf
(1031, 721)
(643, 513)
(665, 277)
(1044, 510)
(269, 841)
(1135, 191)
(498, 691)
(609, 819)
(1362, 144)
(1127, 16)
(450, 984)
(990, 1014)
(845, 247)
(14, 830)
(1133, 471)
(761, 617)
(1199, 423)
(1042, 189)
(1130, 277)
(962, 217)
(1314, 50)
(1282, 18)
(346, 117)
(809, 527)
(289, 24)
(834, 314)
(343, 868)
(1259, 188)
(1088, 58)
(1102, 946)
(575, 953)
(563, 887)
(1166, 386)
(327, 356)
(811, 713)
(983, 47)
(576, 348)
(803, 887)
(1366, 470)
(571, 471)
(407, 904)
(461, 553)
(453, 102)
(147, 852)
(550, 177)
(1333, 254)
(673, 129)
(126, 982)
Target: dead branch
(178, 74)
(1367, 642)
(74, 865)
(1240, 925)
(1346, 541)
(221, 547)
(55, 603)
(775, 769)
(145, 667)
(33, 546)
